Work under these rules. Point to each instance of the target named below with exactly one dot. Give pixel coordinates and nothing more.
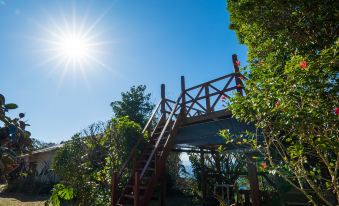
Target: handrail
(217, 79)
(212, 81)
(160, 137)
(152, 115)
(134, 149)
(174, 125)
(210, 95)
(210, 92)
(156, 126)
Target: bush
(85, 164)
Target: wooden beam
(183, 93)
(253, 179)
(136, 189)
(211, 94)
(163, 101)
(163, 189)
(212, 81)
(206, 117)
(208, 101)
(114, 197)
(203, 176)
(236, 71)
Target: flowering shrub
(292, 90)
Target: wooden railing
(172, 118)
(160, 153)
(210, 96)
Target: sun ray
(64, 70)
(98, 20)
(71, 42)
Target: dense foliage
(135, 104)
(85, 164)
(14, 139)
(292, 91)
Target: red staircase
(144, 169)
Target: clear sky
(129, 42)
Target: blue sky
(141, 42)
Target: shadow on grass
(24, 197)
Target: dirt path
(21, 199)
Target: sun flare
(72, 42)
(74, 47)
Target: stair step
(162, 126)
(145, 160)
(148, 169)
(160, 146)
(141, 187)
(158, 133)
(156, 140)
(131, 196)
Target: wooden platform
(206, 132)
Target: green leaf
(11, 106)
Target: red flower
(336, 110)
(263, 165)
(303, 64)
(237, 63)
(238, 85)
(223, 97)
(277, 103)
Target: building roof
(47, 149)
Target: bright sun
(74, 47)
(73, 44)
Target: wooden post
(236, 70)
(183, 103)
(163, 189)
(218, 166)
(114, 183)
(163, 101)
(156, 169)
(136, 189)
(247, 199)
(203, 176)
(208, 100)
(253, 179)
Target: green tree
(135, 104)
(85, 164)
(292, 91)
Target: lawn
(22, 200)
